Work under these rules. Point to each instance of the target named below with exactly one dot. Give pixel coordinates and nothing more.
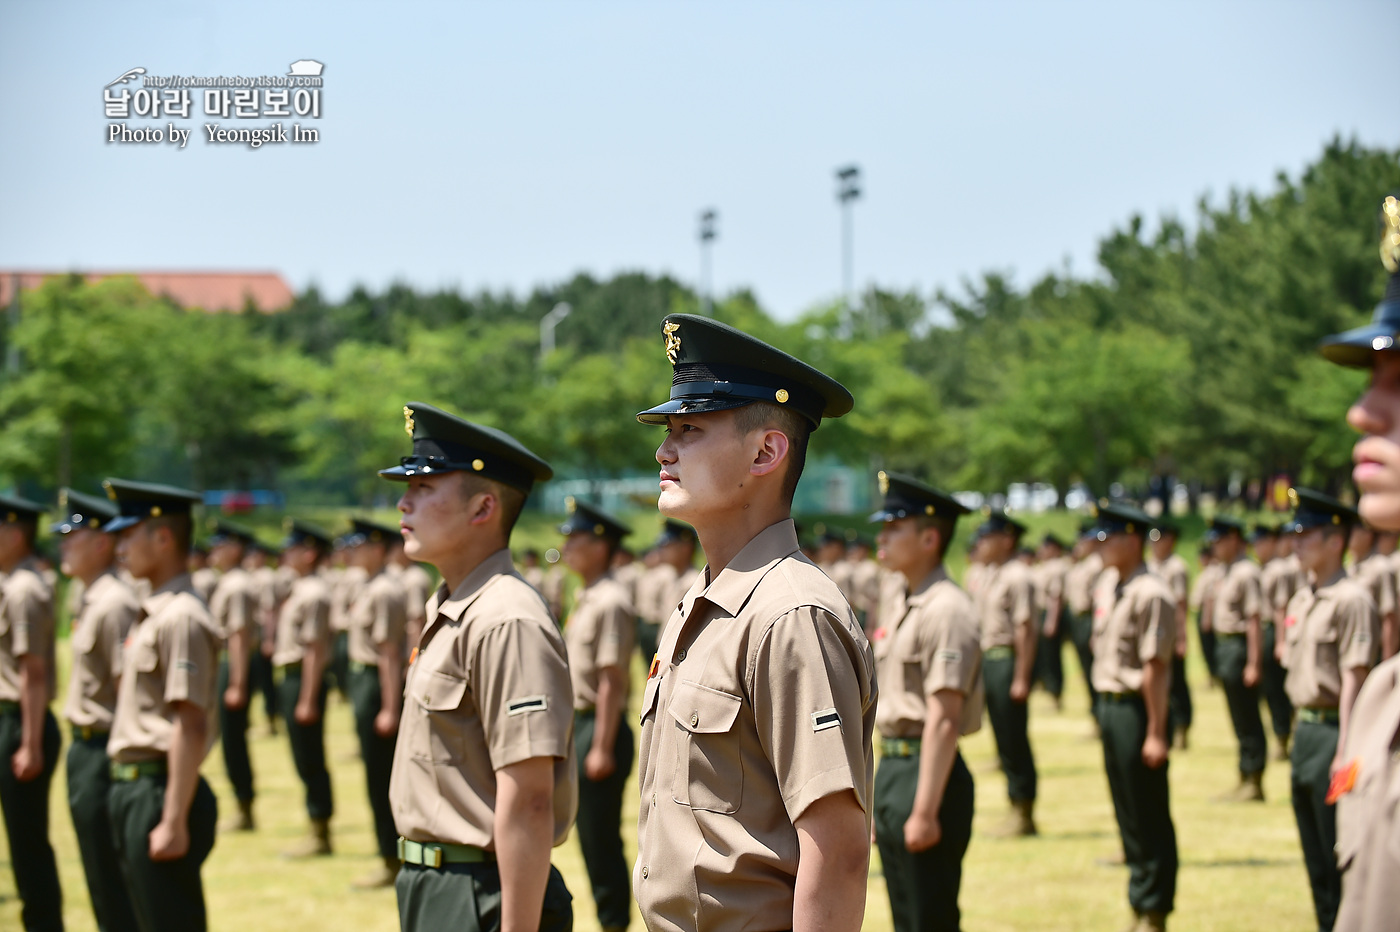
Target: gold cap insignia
(1336, 519)
(570, 505)
(62, 498)
(408, 420)
(1390, 238)
(782, 396)
(1132, 528)
(155, 511)
(111, 492)
(1293, 498)
(11, 518)
(1093, 510)
(599, 530)
(883, 478)
(478, 465)
(928, 509)
(673, 340)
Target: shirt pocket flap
(441, 692)
(649, 694)
(701, 710)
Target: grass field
(1241, 866)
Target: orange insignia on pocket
(412, 656)
(1343, 781)
(655, 665)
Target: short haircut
(181, 528)
(512, 499)
(944, 526)
(761, 415)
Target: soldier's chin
(1381, 509)
(671, 503)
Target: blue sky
(500, 146)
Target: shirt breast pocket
(439, 695)
(649, 694)
(145, 657)
(710, 773)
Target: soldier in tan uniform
(299, 662)
(928, 653)
(1080, 580)
(599, 636)
(1274, 577)
(865, 582)
(1235, 615)
(1134, 642)
(831, 557)
(376, 620)
(258, 560)
(417, 586)
(235, 610)
(102, 620)
(1006, 608)
(1386, 541)
(163, 813)
(1377, 573)
(29, 740)
(1163, 560)
(1334, 638)
(1049, 574)
(661, 587)
(757, 720)
(1202, 599)
(202, 576)
(1364, 786)
(484, 781)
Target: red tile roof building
(206, 291)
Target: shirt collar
(924, 590)
(737, 581)
(1335, 578)
(455, 604)
(162, 597)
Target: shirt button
(653, 799)
(680, 655)
(694, 719)
(644, 873)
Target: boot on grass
(382, 876)
(316, 844)
(243, 822)
(1019, 822)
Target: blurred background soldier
(1202, 600)
(259, 561)
(235, 612)
(103, 620)
(417, 586)
(29, 739)
(1276, 583)
(1080, 580)
(1235, 614)
(303, 651)
(377, 619)
(599, 636)
(1376, 572)
(1163, 560)
(1006, 604)
(1049, 574)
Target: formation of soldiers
(487, 734)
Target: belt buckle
(432, 857)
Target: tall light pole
(547, 324)
(709, 218)
(847, 191)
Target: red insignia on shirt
(412, 656)
(878, 634)
(1343, 781)
(1290, 620)
(655, 665)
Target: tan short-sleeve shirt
(1368, 817)
(235, 604)
(26, 627)
(1176, 575)
(345, 585)
(599, 634)
(171, 656)
(418, 585)
(105, 615)
(1050, 581)
(1079, 584)
(1238, 597)
(488, 686)
(763, 703)
(1134, 624)
(304, 620)
(378, 616)
(1005, 603)
(929, 643)
(204, 580)
(654, 590)
(865, 586)
(1333, 629)
(1376, 573)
